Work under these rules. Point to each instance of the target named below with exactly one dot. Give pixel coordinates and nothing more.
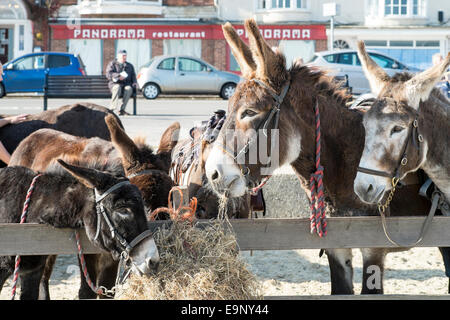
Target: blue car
(27, 73)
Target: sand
(419, 271)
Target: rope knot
(182, 213)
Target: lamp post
(330, 10)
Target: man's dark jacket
(113, 71)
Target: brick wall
(109, 52)
(321, 45)
(157, 47)
(215, 53)
(59, 45)
(184, 3)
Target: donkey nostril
(215, 175)
(153, 264)
(370, 189)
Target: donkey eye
(396, 129)
(248, 113)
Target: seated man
(122, 82)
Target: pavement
(153, 116)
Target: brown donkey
(145, 169)
(297, 92)
(407, 128)
(188, 169)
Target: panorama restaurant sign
(269, 32)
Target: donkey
(122, 156)
(80, 119)
(283, 102)
(188, 169)
(69, 201)
(407, 109)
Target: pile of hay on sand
(195, 264)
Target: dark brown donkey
(80, 119)
(253, 106)
(68, 201)
(145, 169)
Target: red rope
(91, 285)
(317, 218)
(254, 191)
(23, 217)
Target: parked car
(27, 73)
(346, 62)
(177, 74)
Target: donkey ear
(122, 142)
(91, 178)
(374, 73)
(420, 86)
(169, 138)
(270, 65)
(240, 51)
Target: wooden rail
(255, 234)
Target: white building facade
(16, 36)
(408, 30)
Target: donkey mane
(322, 82)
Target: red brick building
(96, 30)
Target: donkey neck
(63, 202)
(342, 142)
(434, 117)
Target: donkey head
(250, 145)
(390, 125)
(122, 219)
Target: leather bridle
(274, 114)
(101, 212)
(416, 138)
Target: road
(153, 116)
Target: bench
(344, 82)
(78, 87)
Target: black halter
(264, 124)
(127, 247)
(416, 137)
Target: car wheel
(2, 90)
(151, 91)
(227, 91)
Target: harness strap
(99, 197)
(425, 226)
(141, 173)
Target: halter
(417, 138)
(264, 124)
(127, 247)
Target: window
(331, 58)
(168, 64)
(403, 7)
(401, 43)
(348, 58)
(58, 61)
(282, 4)
(190, 65)
(375, 43)
(382, 61)
(30, 63)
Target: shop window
(138, 51)
(90, 51)
(188, 47)
(375, 43)
(295, 49)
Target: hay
(196, 264)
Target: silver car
(176, 74)
(346, 62)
